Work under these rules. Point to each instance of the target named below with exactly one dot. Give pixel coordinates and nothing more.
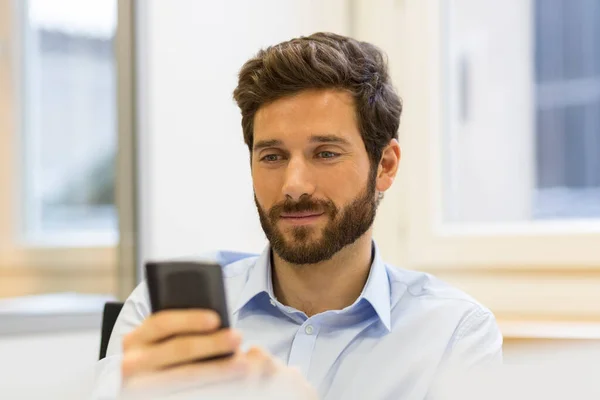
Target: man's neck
(331, 285)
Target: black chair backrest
(109, 317)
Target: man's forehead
(309, 100)
(310, 117)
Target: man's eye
(271, 158)
(327, 154)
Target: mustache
(305, 204)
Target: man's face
(313, 182)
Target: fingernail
(213, 319)
(235, 336)
(233, 339)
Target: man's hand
(178, 338)
(161, 356)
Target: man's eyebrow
(329, 139)
(263, 144)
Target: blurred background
(120, 143)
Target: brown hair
(324, 61)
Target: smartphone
(186, 285)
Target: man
(318, 306)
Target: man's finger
(164, 324)
(179, 350)
(262, 364)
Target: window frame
(33, 268)
(540, 245)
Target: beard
(344, 226)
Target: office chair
(109, 317)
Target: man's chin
(303, 235)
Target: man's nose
(298, 180)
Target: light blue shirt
(391, 343)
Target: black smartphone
(185, 285)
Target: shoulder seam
(408, 290)
(470, 320)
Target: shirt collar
(259, 280)
(376, 290)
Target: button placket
(303, 346)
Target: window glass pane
(522, 135)
(69, 120)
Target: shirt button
(309, 329)
(273, 303)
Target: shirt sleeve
(107, 384)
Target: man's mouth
(302, 214)
(301, 218)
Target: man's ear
(388, 166)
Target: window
(567, 90)
(68, 111)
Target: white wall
(48, 366)
(196, 192)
